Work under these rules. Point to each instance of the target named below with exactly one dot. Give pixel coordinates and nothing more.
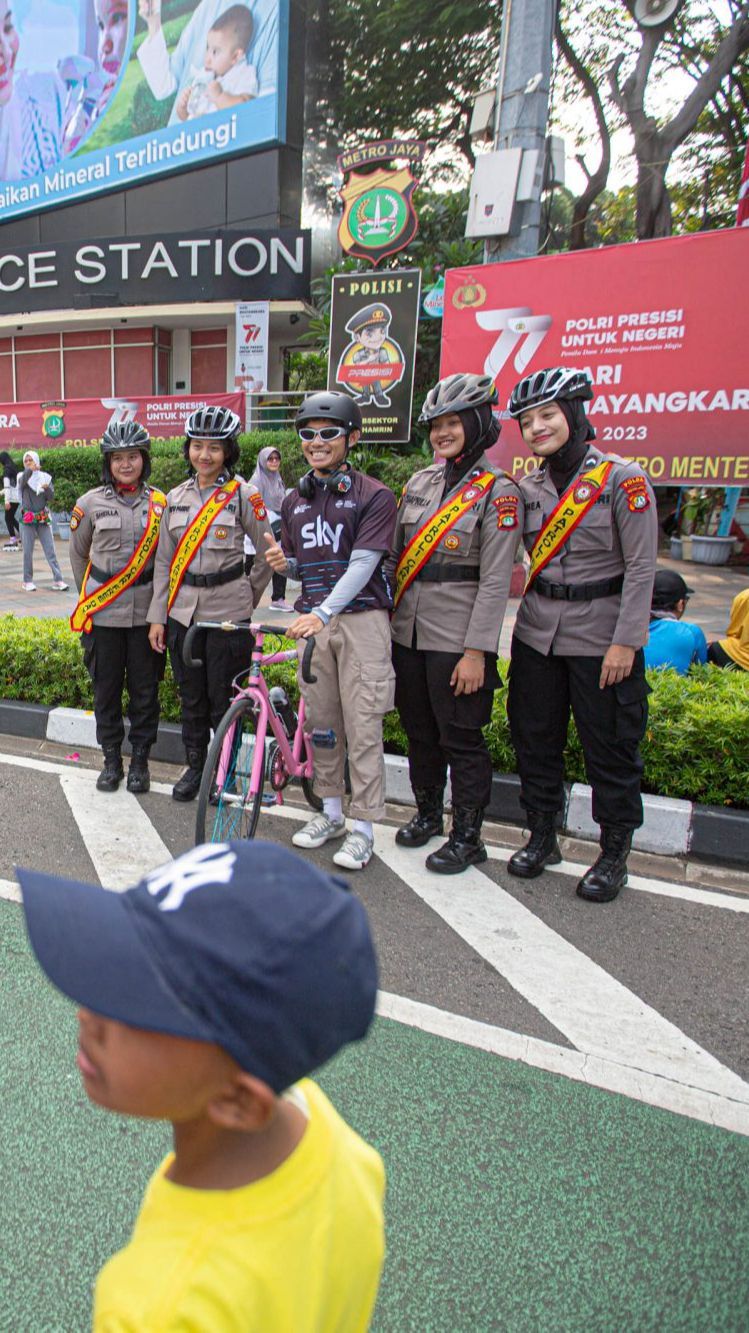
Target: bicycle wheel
(309, 794)
(226, 810)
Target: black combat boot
(427, 822)
(138, 776)
(112, 773)
(464, 847)
(609, 874)
(188, 786)
(541, 849)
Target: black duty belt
(215, 580)
(449, 574)
(578, 592)
(102, 576)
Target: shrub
(695, 748)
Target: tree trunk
(653, 202)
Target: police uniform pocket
(594, 532)
(220, 535)
(631, 708)
(108, 533)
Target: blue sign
(110, 97)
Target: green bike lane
(517, 1199)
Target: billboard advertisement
(77, 421)
(373, 347)
(99, 94)
(658, 327)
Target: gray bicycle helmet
(337, 408)
(546, 386)
(212, 423)
(457, 393)
(121, 435)
(124, 435)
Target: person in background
(267, 478)
(114, 531)
(35, 490)
(673, 642)
(10, 493)
(591, 531)
(459, 522)
(208, 993)
(732, 653)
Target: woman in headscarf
(35, 490)
(10, 495)
(268, 480)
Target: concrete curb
(670, 828)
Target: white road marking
(118, 835)
(599, 1073)
(10, 890)
(594, 1011)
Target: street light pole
(522, 108)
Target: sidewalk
(714, 589)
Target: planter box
(677, 552)
(61, 525)
(711, 550)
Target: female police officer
(592, 532)
(199, 575)
(114, 531)
(458, 526)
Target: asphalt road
(558, 1089)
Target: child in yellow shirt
(208, 991)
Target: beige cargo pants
(354, 689)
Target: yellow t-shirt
(299, 1251)
(737, 643)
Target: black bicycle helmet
(546, 386)
(121, 435)
(457, 393)
(212, 423)
(338, 408)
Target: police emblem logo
(158, 510)
(507, 521)
(220, 534)
(635, 489)
(470, 493)
(452, 543)
(469, 296)
(221, 496)
(640, 501)
(74, 521)
(378, 213)
(582, 492)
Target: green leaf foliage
(695, 747)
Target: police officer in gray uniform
(106, 526)
(214, 587)
(581, 626)
(370, 327)
(447, 619)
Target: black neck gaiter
(563, 465)
(481, 431)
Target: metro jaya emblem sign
(378, 213)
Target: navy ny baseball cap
(243, 944)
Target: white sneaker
(281, 606)
(356, 852)
(59, 586)
(29, 587)
(318, 831)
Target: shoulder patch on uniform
(256, 500)
(77, 512)
(636, 491)
(507, 510)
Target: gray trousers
(29, 534)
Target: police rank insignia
(636, 491)
(507, 511)
(378, 215)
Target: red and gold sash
(89, 604)
(425, 541)
(562, 521)
(194, 535)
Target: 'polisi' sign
(166, 269)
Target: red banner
(659, 327)
(84, 420)
(742, 210)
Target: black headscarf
(565, 462)
(481, 430)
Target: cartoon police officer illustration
(371, 347)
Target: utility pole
(522, 109)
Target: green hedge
(696, 745)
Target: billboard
(658, 327)
(76, 421)
(373, 347)
(100, 94)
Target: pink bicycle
(240, 760)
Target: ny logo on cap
(203, 865)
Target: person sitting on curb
(209, 992)
(337, 528)
(672, 642)
(732, 653)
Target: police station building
(167, 189)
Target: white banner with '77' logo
(251, 352)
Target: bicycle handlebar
(228, 626)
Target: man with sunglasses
(337, 527)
